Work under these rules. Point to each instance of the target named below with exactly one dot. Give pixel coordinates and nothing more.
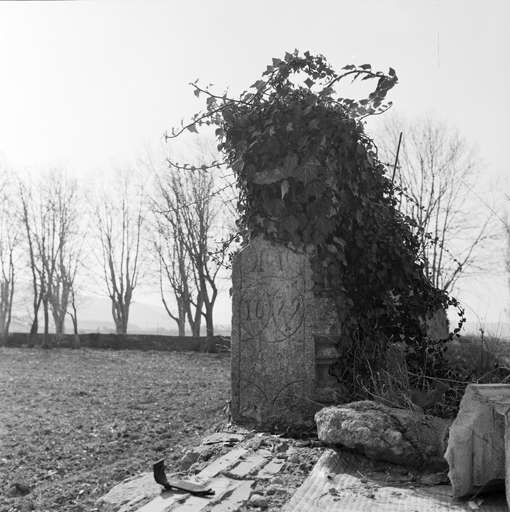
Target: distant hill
(95, 315)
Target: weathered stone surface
(383, 433)
(279, 333)
(476, 448)
(130, 494)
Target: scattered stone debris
(261, 470)
(256, 471)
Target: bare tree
(438, 170)
(9, 246)
(176, 270)
(33, 240)
(120, 214)
(189, 212)
(66, 233)
(194, 213)
(175, 277)
(51, 216)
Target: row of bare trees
(140, 227)
(155, 226)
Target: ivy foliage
(311, 178)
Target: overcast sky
(86, 84)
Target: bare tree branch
(435, 165)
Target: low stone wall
(119, 342)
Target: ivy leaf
(290, 224)
(275, 207)
(290, 163)
(259, 84)
(366, 67)
(227, 114)
(307, 172)
(309, 83)
(313, 124)
(315, 188)
(238, 167)
(197, 92)
(323, 224)
(192, 128)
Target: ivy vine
(310, 177)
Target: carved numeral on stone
(255, 312)
(266, 261)
(288, 313)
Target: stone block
(476, 447)
(400, 436)
(276, 322)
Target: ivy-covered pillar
(284, 338)
(331, 274)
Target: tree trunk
(196, 323)
(46, 323)
(181, 322)
(33, 332)
(120, 314)
(35, 322)
(74, 318)
(9, 309)
(60, 327)
(4, 305)
(209, 325)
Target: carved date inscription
(279, 314)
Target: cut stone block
(277, 321)
(476, 447)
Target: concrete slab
(336, 485)
(271, 469)
(221, 487)
(220, 464)
(246, 466)
(231, 502)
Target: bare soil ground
(74, 423)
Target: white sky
(89, 83)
